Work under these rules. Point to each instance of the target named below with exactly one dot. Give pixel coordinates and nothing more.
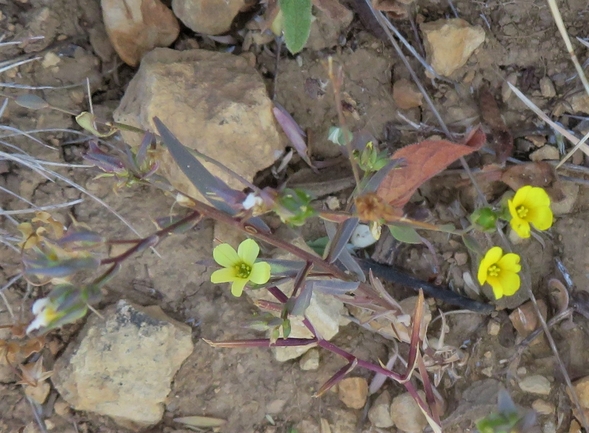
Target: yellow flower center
(243, 270)
(494, 271)
(522, 211)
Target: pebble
(135, 27)
(461, 258)
(406, 414)
(450, 42)
(543, 407)
(525, 320)
(547, 88)
(535, 384)
(122, 364)
(352, 391)
(380, 412)
(310, 360)
(493, 327)
(545, 153)
(210, 17)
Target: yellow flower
(239, 267)
(500, 271)
(530, 205)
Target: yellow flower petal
(497, 286)
(537, 197)
(248, 251)
(260, 273)
(509, 263)
(237, 287)
(225, 255)
(521, 196)
(491, 257)
(510, 282)
(225, 275)
(521, 227)
(541, 217)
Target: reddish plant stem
(152, 240)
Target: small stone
(461, 258)
(352, 391)
(487, 371)
(450, 42)
(122, 364)
(343, 421)
(310, 360)
(522, 371)
(525, 319)
(406, 94)
(380, 412)
(505, 89)
(333, 203)
(331, 19)
(493, 327)
(210, 17)
(38, 393)
(547, 88)
(570, 193)
(543, 407)
(406, 414)
(575, 427)
(135, 27)
(217, 94)
(549, 427)
(545, 153)
(61, 408)
(535, 384)
(579, 103)
(50, 59)
(537, 140)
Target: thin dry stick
(567, 41)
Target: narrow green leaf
(405, 234)
(472, 244)
(86, 121)
(297, 23)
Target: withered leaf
(423, 161)
(539, 174)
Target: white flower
(252, 200)
(44, 312)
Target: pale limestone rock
(450, 42)
(210, 17)
(352, 391)
(380, 413)
(543, 407)
(213, 102)
(579, 103)
(406, 414)
(545, 153)
(310, 360)
(535, 384)
(135, 27)
(122, 366)
(406, 94)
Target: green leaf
(297, 23)
(472, 244)
(405, 234)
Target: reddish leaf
(423, 161)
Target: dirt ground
(249, 388)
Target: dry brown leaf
(502, 141)
(539, 174)
(422, 161)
